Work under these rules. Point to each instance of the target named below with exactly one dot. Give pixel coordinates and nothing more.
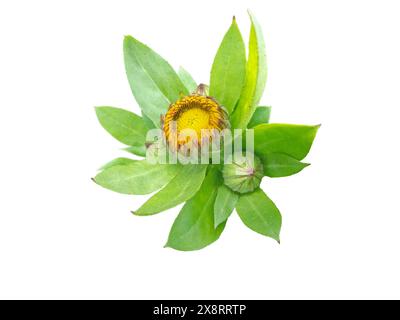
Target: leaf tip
(128, 40)
(138, 213)
(99, 110)
(250, 13)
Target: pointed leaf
(229, 69)
(187, 80)
(139, 177)
(256, 77)
(181, 188)
(260, 214)
(291, 139)
(261, 115)
(281, 165)
(154, 83)
(225, 202)
(123, 125)
(137, 150)
(194, 229)
(118, 162)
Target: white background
(330, 62)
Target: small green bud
(243, 176)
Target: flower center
(195, 119)
(195, 113)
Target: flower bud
(243, 176)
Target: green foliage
(187, 80)
(123, 125)
(137, 150)
(181, 188)
(281, 165)
(139, 177)
(194, 229)
(291, 139)
(256, 78)
(224, 204)
(154, 83)
(117, 162)
(229, 69)
(261, 115)
(260, 214)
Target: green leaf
(256, 77)
(137, 150)
(291, 139)
(225, 202)
(187, 80)
(153, 82)
(147, 121)
(181, 188)
(229, 69)
(281, 165)
(123, 125)
(261, 115)
(139, 177)
(194, 229)
(117, 162)
(260, 214)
